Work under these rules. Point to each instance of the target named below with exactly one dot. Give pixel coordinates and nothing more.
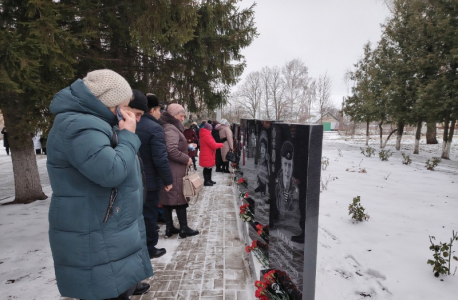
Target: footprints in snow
(366, 281)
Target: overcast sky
(327, 35)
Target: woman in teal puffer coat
(96, 258)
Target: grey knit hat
(108, 86)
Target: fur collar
(167, 118)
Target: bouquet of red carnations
(258, 253)
(263, 231)
(270, 289)
(243, 182)
(245, 213)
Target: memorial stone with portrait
(281, 165)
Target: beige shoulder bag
(192, 185)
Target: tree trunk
(27, 183)
(445, 136)
(381, 133)
(446, 149)
(386, 141)
(353, 130)
(367, 133)
(431, 133)
(399, 135)
(417, 138)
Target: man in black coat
(153, 152)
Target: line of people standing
(114, 155)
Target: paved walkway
(211, 265)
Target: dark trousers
(218, 159)
(181, 214)
(7, 150)
(194, 162)
(150, 213)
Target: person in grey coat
(96, 228)
(177, 149)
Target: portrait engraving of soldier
(251, 147)
(263, 163)
(287, 193)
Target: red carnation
(260, 284)
(258, 293)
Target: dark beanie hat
(139, 101)
(152, 101)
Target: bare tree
(310, 99)
(266, 100)
(249, 94)
(323, 90)
(277, 89)
(233, 111)
(296, 80)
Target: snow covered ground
(382, 258)
(385, 257)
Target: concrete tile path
(210, 266)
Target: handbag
(230, 156)
(192, 185)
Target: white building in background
(330, 123)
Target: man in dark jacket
(153, 152)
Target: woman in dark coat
(191, 138)
(5, 141)
(218, 159)
(177, 150)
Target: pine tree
(35, 62)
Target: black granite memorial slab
(281, 163)
(249, 168)
(292, 173)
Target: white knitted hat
(224, 122)
(108, 86)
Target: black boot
(226, 167)
(218, 167)
(185, 231)
(207, 181)
(169, 228)
(210, 176)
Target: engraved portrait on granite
(286, 191)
